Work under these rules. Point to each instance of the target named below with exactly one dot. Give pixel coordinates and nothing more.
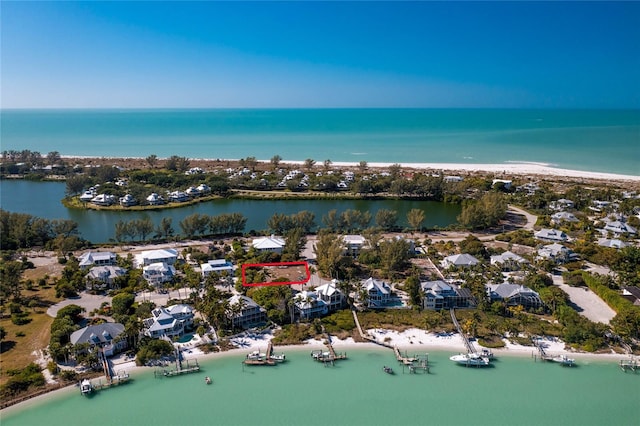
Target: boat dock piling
(419, 364)
(631, 364)
(179, 370)
(328, 357)
(112, 380)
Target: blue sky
(320, 54)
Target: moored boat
(471, 359)
(86, 387)
(387, 370)
(278, 357)
(207, 380)
(563, 360)
(256, 356)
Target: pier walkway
(467, 343)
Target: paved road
(591, 305)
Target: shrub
(20, 319)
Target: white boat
(320, 354)
(487, 353)
(279, 357)
(257, 356)
(471, 359)
(85, 387)
(207, 380)
(564, 360)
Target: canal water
(43, 199)
(516, 391)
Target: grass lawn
(17, 351)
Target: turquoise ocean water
(591, 140)
(516, 391)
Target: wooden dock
(631, 364)
(265, 361)
(179, 370)
(111, 381)
(329, 356)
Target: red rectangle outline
(254, 265)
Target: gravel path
(591, 305)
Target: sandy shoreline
(513, 168)
(413, 341)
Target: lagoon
(516, 391)
(42, 199)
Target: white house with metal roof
(378, 293)
(244, 312)
(271, 244)
(96, 258)
(461, 260)
(148, 257)
(546, 234)
(331, 295)
(101, 277)
(509, 261)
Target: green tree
(275, 161)
(329, 250)
(394, 255)
(295, 240)
(309, 163)
(122, 303)
(386, 219)
(415, 218)
(152, 160)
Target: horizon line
(174, 108)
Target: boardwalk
(467, 343)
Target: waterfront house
(331, 295)
(353, 244)
(128, 201)
(557, 253)
(271, 244)
(245, 313)
(460, 260)
(103, 200)
(155, 200)
(147, 257)
(102, 277)
(105, 337)
(163, 324)
(514, 294)
(193, 192)
(87, 195)
(442, 295)
(308, 305)
(96, 258)
(183, 313)
(553, 235)
(158, 273)
(509, 261)
(217, 266)
(203, 188)
(377, 293)
(178, 197)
